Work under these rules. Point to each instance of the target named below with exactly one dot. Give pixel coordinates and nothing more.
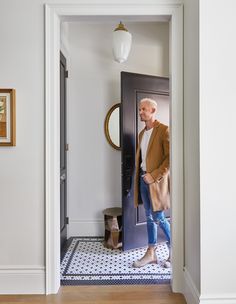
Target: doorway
(92, 161)
(53, 15)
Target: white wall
(22, 166)
(210, 57)
(191, 146)
(218, 150)
(94, 167)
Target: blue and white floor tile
(88, 262)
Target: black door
(134, 87)
(63, 148)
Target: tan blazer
(158, 164)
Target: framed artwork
(7, 117)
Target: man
(152, 177)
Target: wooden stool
(113, 227)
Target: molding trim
(176, 147)
(218, 299)
(22, 279)
(53, 13)
(191, 292)
(52, 150)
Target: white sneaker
(167, 264)
(148, 258)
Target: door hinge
(66, 74)
(67, 220)
(67, 147)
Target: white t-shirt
(144, 145)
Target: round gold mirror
(112, 126)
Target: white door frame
(53, 14)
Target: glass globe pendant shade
(122, 40)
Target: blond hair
(152, 102)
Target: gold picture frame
(113, 137)
(7, 117)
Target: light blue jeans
(154, 218)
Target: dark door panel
(134, 87)
(63, 162)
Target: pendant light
(121, 43)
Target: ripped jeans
(154, 218)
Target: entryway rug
(88, 262)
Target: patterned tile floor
(88, 262)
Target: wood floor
(122, 294)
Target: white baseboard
(218, 299)
(192, 295)
(86, 228)
(191, 292)
(22, 279)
